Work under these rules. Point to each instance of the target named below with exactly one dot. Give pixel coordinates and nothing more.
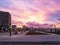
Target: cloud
(18, 23)
(59, 19)
(38, 25)
(31, 10)
(54, 17)
(33, 24)
(57, 2)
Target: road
(47, 39)
(22, 37)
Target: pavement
(28, 38)
(21, 39)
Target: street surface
(33, 38)
(22, 39)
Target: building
(5, 19)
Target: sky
(32, 12)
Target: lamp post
(10, 31)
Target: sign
(5, 27)
(14, 27)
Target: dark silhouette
(9, 31)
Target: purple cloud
(57, 2)
(38, 25)
(33, 24)
(59, 19)
(54, 16)
(17, 22)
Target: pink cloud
(38, 25)
(33, 24)
(18, 23)
(37, 11)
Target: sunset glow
(38, 11)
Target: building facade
(5, 19)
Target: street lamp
(10, 30)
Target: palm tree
(23, 28)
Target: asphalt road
(33, 38)
(28, 39)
